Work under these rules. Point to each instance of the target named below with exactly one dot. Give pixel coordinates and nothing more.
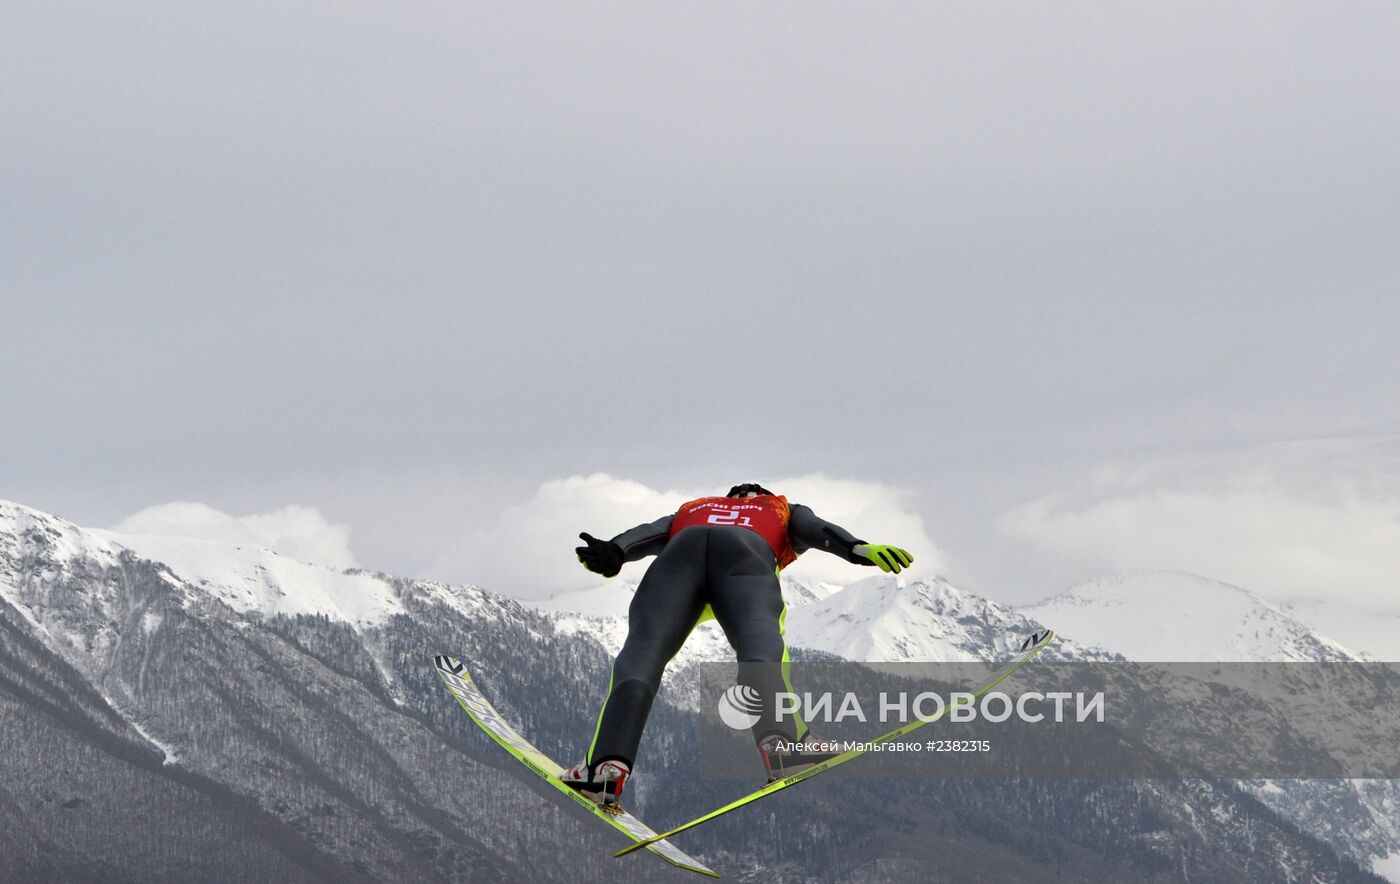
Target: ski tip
(444, 663)
(1037, 639)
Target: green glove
(887, 558)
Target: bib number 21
(729, 517)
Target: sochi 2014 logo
(739, 707)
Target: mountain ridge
(323, 714)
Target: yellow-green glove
(887, 558)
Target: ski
(1034, 645)
(455, 676)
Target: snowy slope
(1371, 632)
(246, 578)
(29, 534)
(883, 619)
(63, 580)
(886, 619)
(254, 578)
(1173, 616)
(609, 599)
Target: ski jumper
(720, 556)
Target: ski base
(455, 676)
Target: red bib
(766, 514)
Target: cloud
(529, 550)
(1249, 530)
(297, 531)
(872, 511)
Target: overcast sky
(1065, 288)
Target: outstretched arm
(606, 556)
(644, 540)
(810, 531)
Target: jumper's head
(749, 489)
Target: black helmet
(746, 489)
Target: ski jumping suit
(717, 555)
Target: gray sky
(403, 266)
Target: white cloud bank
(296, 531)
(1281, 543)
(529, 551)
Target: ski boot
(600, 783)
(783, 757)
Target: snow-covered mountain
(254, 578)
(1173, 616)
(273, 719)
(887, 619)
